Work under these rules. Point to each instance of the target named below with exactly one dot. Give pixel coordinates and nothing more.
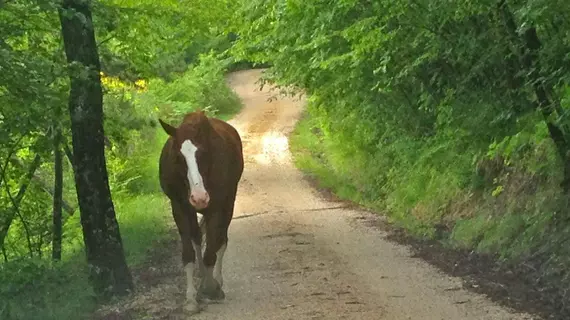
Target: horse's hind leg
(216, 243)
(219, 263)
(226, 217)
(216, 235)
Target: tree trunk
(545, 105)
(57, 196)
(109, 273)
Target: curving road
(294, 255)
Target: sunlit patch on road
(274, 148)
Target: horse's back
(229, 134)
(232, 147)
(227, 130)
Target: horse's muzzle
(199, 199)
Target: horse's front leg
(190, 236)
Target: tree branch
(9, 217)
(48, 189)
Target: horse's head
(191, 142)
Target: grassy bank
(504, 202)
(37, 288)
(41, 289)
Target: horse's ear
(170, 130)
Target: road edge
(514, 286)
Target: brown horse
(200, 167)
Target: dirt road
(294, 255)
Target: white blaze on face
(199, 196)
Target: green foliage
(40, 289)
(145, 221)
(445, 115)
(156, 39)
(36, 289)
(142, 210)
(201, 87)
(155, 55)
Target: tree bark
(109, 273)
(57, 196)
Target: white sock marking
(219, 264)
(199, 258)
(206, 274)
(190, 289)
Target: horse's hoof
(212, 292)
(217, 295)
(196, 279)
(221, 295)
(192, 307)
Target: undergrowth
(502, 200)
(42, 289)
(37, 288)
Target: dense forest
(449, 117)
